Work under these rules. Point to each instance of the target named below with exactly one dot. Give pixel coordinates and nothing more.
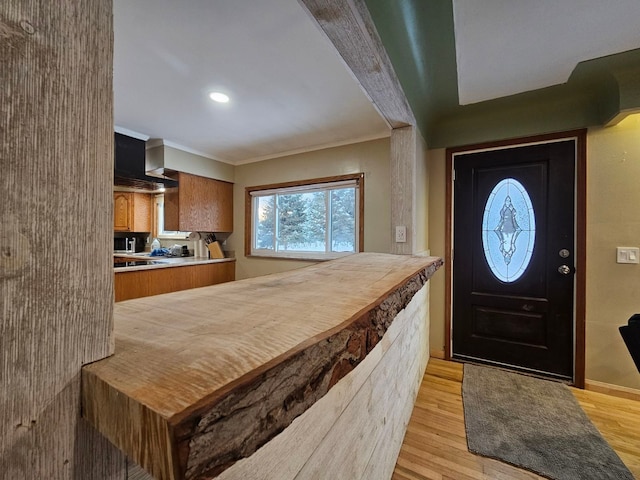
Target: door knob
(564, 269)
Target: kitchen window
(316, 219)
(160, 231)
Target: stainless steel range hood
(130, 166)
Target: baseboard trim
(613, 390)
(437, 354)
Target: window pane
(301, 222)
(161, 232)
(317, 222)
(343, 220)
(265, 222)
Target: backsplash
(143, 243)
(137, 242)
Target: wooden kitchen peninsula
(203, 378)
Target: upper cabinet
(132, 212)
(198, 204)
(122, 211)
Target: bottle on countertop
(155, 245)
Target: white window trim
(162, 234)
(314, 187)
(299, 255)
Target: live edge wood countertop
(201, 378)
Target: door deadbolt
(564, 253)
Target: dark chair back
(631, 336)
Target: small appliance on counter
(121, 263)
(178, 251)
(124, 242)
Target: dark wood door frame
(581, 220)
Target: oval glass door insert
(508, 230)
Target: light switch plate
(627, 255)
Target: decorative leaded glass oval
(508, 230)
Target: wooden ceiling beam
(350, 28)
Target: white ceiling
(289, 89)
(504, 47)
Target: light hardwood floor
(435, 445)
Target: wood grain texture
(204, 377)
(355, 431)
(403, 187)
(580, 313)
(132, 212)
(612, 390)
(448, 254)
(198, 204)
(122, 211)
(144, 283)
(365, 440)
(309, 443)
(56, 280)
(435, 445)
(349, 27)
(142, 211)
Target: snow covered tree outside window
(266, 222)
(315, 220)
(343, 203)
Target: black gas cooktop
(136, 263)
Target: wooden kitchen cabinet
(132, 212)
(122, 211)
(155, 281)
(198, 204)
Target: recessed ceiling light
(219, 97)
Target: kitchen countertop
(168, 261)
(201, 378)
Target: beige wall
(437, 215)
(372, 158)
(422, 196)
(169, 158)
(613, 290)
(613, 219)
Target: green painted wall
(419, 38)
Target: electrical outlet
(401, 234)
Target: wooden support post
(350, 28)
(403, 187)
(56, 275)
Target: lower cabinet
(154, 281)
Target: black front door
(513, 257)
